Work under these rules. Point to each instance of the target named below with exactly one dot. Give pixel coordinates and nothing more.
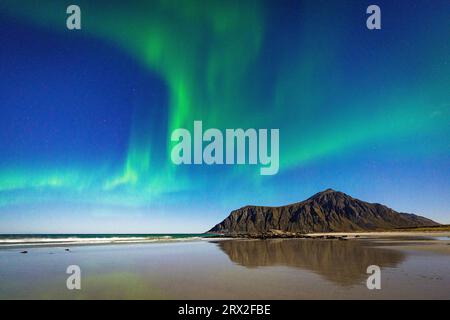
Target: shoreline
(372, 235)
(278, 234)
(383, 234)
(85, 242)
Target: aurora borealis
(86, 115)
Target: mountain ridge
(326, 211)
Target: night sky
(86, 115)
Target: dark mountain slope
(327, 211)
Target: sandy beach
(413, 267)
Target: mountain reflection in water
(342, 262)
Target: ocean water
(22, 240)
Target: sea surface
(191, 267)
(22, 240)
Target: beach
(413, 266)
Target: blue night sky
(86, 115)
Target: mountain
(326, 211)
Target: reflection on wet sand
(343, 262)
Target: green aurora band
(215, 58)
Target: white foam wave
(86, 241)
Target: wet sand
(414, 267)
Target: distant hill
(327, 211)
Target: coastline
(73, 241)
(278, 234)
(371, 234)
